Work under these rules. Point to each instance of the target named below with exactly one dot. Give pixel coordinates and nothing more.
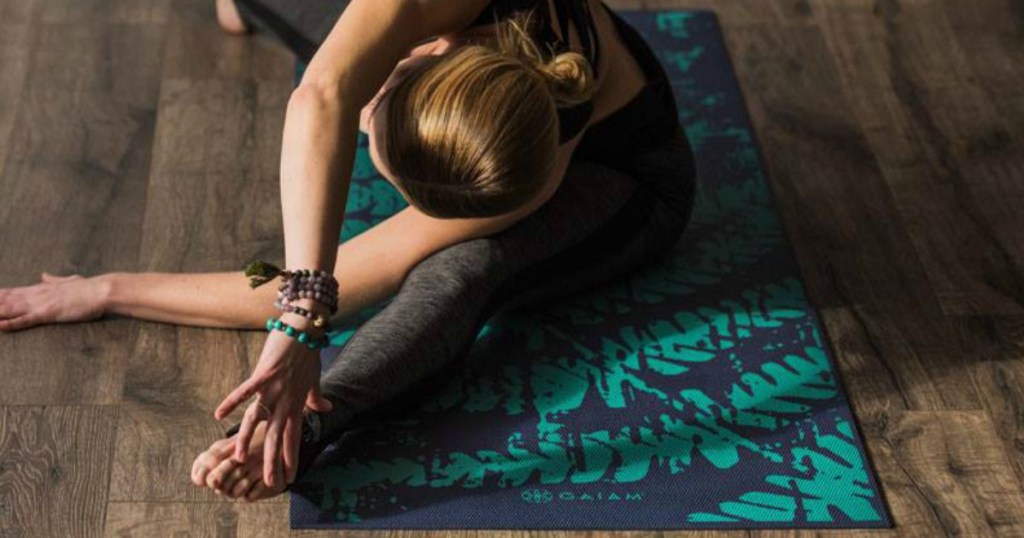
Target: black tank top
(571, 119)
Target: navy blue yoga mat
(697, 393)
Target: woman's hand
(286, 379)
(56, 299)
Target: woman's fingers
(237, 396)
(290, 446)
(272, 449)
(245, 431)
(11, 306)
(23, 321)
(57, 299)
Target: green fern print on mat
(696, 393)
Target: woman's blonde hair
(474, 132)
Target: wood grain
(54, 464)
(74, 177)
(176, 378)
(143, 138)
(995, 350)
(841, 215)
(14, 56)
(948, 152)
(212, 205)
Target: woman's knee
(454, 273)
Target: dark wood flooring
(129, 129)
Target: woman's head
(473, 132)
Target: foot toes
(244, 485)
(210, 459)
(216, 477)
(233, 476)
(202, 465)
(257, 490)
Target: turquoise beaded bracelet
(311, 342)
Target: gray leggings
(601, 223)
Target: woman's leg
(600, 224)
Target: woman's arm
(317, 154)
(369, 268)
(322, 118)
(219, 300)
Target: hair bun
(569, 75)
(570, 78)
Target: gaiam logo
(541, 496)
(537, 496)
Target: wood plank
(198, 49)
(14, 56)
(79, 152)
(854, 159)
(258, 520)
(945, 474)
(213, 204)
(122, 11)
(55, 463)
(19, 11)
(843, 220)
(950, 156)
(65, 364)
(74, 184)
(213, 519)
(217, 149)
(995, 353)
(867, 373)
(214, 194)
(176, 378)
(815, 533)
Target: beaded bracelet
(304, 289)
(321, 286)
(319, 320)
(312, 342)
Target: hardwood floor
(894, 135)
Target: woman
(538, 145)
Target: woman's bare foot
(229, 18)
(216, 469)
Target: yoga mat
(696, 393)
